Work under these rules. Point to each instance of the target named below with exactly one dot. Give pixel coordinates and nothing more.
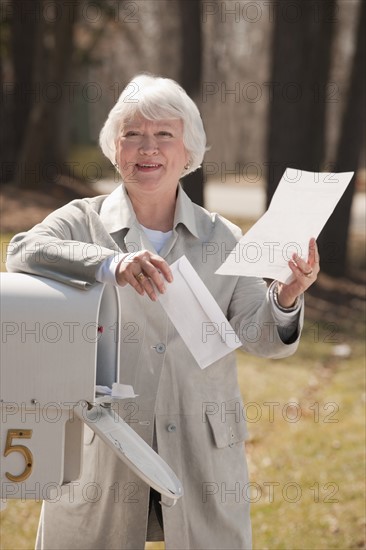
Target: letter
(49, 337)
(271, 405)
(271, 247)
(235, 172)
(271, 484)
(8, 328)
(271, 11)
(209, 249)
(8, 490)
(54, 407)
(35, 411)
(209, 8)
(51, 252)
(8, 409)
(251, 332)
(285, 489)
(95, 334)
(209, 169)
(91, 492)
(258, 15)
(95, 89)
(291, 405)
(26, 331)
(53, 14)
(71, 86)
(71, 245)
(226, 331)
(248, 255)
(235, 92)
(225, 253)
(98, 172)
(209, 488)
(287, 94)
(258, 412)
(71, 332)
(246, 492)
(271, 326)
(271, 92)
(235, 491)
(295, 248)
(235, 11)
(51, 492)
(208, 329)
(246, 172)
(87, 12)
(28, 493)
(209, 408)
(236, 411)
(285, 9)
(92, 252)
(246, 94)
(7, 170)
(209, 88)
(56, 92)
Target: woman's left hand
(305, 274)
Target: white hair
(156, 98)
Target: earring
(187, 166)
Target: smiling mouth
(147, 166)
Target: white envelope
(299, 209)
(197, 316)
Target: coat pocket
(227, 422)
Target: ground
(21, 209)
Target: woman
(154, 135)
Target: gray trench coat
(200, 426)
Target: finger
(303, 266)
(313, 255)
(300, 276)
(130, 278)
(163, 267)
(154, 273)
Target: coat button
(160, 348)
(172, 428)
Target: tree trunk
(17, 101)
(300, 68)
(334, 237)
(191, 75)
(40, 158)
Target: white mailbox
(57, 343)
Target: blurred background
(279, 84)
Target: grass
(307, 476)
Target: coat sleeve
(68, 246)
(251, 316)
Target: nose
(148, 146)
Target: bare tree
(334, 237)
(300, 69)
(191, 76)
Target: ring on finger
(309, 273)
(140, 277)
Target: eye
(165, 133)
(130, 133)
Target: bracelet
(274, 290)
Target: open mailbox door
(58, 342)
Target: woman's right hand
(145, 272)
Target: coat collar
(117, 212)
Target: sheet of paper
(299, 209)
(197, 316)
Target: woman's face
(151, 154)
